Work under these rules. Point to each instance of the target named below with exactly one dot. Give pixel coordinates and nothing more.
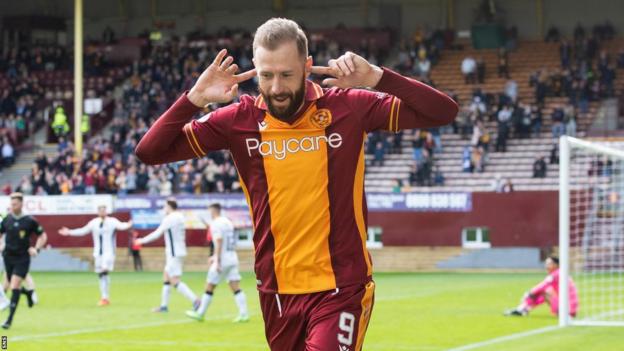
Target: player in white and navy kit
(104, 229)
(172, 227)
(223, 265)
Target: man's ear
(308, 66)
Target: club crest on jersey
(22, 234)
(321, 118)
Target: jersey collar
(313, 92)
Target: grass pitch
(413, 311)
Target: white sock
(186, 291)
(241, 302)
(2, 295)
(164, 298)
(104, 285)
(205, 302)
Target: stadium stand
(475, 154)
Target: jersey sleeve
(2, 226)
(211, 132)
(543, 285)
(164, 225)
(119, 225)
(88, 228)
(216, 231)
(378, 111)
(36, 228)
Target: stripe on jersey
(391, 116)
(396, 115)
(358, 207)
(367, 306)
(171, 242)
(192, 140)
(307, 246)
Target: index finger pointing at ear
(245, 75)
(219, 57)
(322, 70)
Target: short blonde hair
(277, 31)
(17, 195)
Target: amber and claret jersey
(304, 181)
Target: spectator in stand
(557, 117)
(569, 120)
(511, 90)
(469, 70)
(620, 58)
(565, 53)
(8, 153)
(466, 159)
(508, 186)
(536, 120)
(539, 168)
(503, 63)
(478, 159)
(504, 122)
(497, 183)
(481, 70)
(524, 125)
(552, 35)
(379, 154)
(423, 68)
(554, 154)
(438, 177)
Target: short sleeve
(2, 226)
(378, 111)
(36, 227)
(215, 230)
(211, 132)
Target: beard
(285, 113)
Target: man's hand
(64, 231)
(218, 83)
(350, 70)
(32, 251)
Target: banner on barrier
(61, 204)
(421, 202)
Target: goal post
(591, 231)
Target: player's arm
(42, 239)
(119, 225)
(2, 239)
(172, 137)
(541, 288)
(217, 238)
(156, 233)
(408, 104)
(78, 231)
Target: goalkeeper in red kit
(298, 149)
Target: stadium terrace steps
(517, 162)
(56, 260)
(386, 259)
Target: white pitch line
(505, 338)
(107, 329)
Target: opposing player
(547, 292)
(18, 228)
(103, 228)
(299, 153)
(175, 251)
(223, 265)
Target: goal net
(591, 231)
